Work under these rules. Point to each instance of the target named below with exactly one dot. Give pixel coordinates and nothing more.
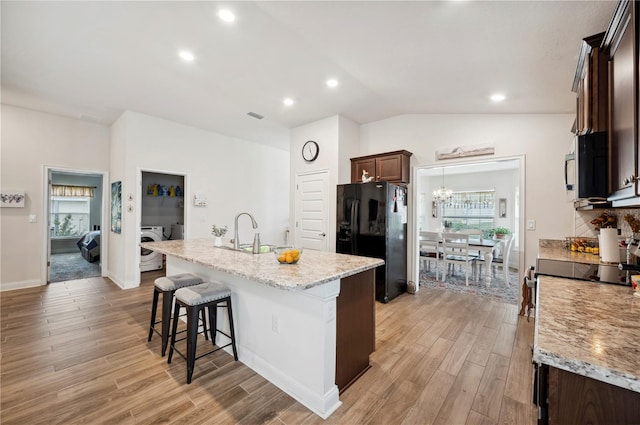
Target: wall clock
(310, 151)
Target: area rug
(498, 291)
(71, 266)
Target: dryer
(150, 260)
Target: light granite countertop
(548, 250)
(589, 329)
(314, 267)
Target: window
(69, 216)
(470, 210)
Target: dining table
(486, 249)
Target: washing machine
(150, 260)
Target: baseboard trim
(122, 284)
(23, 284)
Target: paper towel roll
(609, 252)
(608, 273)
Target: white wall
(338, 139)
(30, 141)
(348, 147)
(542, 139)
(235, 175)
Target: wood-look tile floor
(77, 352)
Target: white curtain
(72, 191)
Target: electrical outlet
(531, 225)
(275, 324)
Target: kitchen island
(307, 327)
(587, 345)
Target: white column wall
(234, 175)
(338, 138)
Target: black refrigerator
(372, 222)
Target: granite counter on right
(587, 352)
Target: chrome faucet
(236, 241)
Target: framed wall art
(116, 207)
(12, 199)
(502, 208)
(464, 151)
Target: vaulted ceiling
(93, 60)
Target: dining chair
(503, 260)
(455, 250)
(430, 249)
(474, 234)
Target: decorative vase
(217, 241)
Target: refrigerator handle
(354, 226)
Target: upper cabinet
(620, 45)
(391, 166)
(590, 86)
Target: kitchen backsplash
(584, 228)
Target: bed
(89, 245)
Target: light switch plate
(531, 225)
(33, 218)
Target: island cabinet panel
(355, 327)
(391, 167)
(576, 399)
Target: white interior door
(311, 210)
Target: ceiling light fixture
(332, 83)
(288, 101)
(187, 56)
(226, 15)
(498, 97)
(442, 194)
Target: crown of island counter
(308, 327)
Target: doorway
(484, 197)
(161, 215)
(75, 202)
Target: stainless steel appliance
(372, 222)
(602, 273)
(586, 170)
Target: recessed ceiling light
(332, 83)
(498, 97)
(187, 56)
(226, 15)
(288, 101)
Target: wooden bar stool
(196, 299)
(167, 286)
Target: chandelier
(442, 194)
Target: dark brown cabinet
(355, 327)
(591, 87)
(569, 398)
(391, 166)
(620, 44)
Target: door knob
(322, 234)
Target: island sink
(248, 248)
